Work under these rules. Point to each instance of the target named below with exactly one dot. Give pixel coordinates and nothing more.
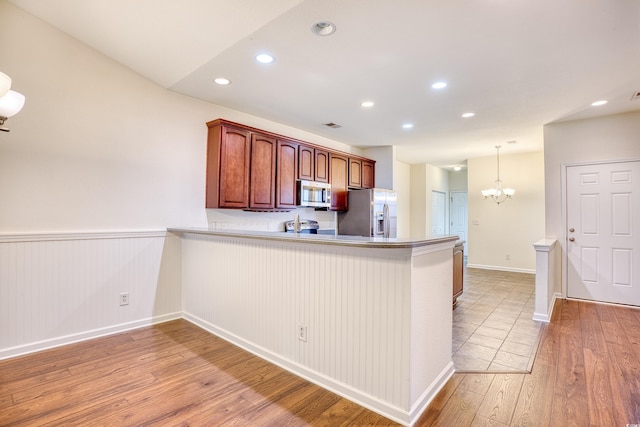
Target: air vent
(333, 125)
(636, 95)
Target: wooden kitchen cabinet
(458, 271)
(252, 169)
(339, 174)
(262, 171)
(306, 163)
(321, 170)
(228, 158)
(286, 174)
(368, 174)
(355, 173)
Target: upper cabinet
(313, 163)
(355, 173)
(322, 165)
(306, 163)
(368, 174)
(339, 173)
(286, 174)
(228, 154)
(252, 169)
(262, 172)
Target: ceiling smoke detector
(333, 125)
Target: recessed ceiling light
(222, 81)
(457, 168)
(368, 104)
(467, 115)
(598, 103)
(407, 126)
(323, 28)
(265, 58)
(439, 85)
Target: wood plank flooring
(586, 373)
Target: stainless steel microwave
(314, 194)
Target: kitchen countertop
(324, 239)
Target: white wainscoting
(358, 304)
(59, 288)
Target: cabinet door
(339, 171)
(287, 168)
(228, 174)
(306, 163)
(321, 166)
(368, 174)
(355, 173)
(458, 272)
(263, 172)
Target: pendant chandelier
(497, 193)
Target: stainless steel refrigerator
(372, 213)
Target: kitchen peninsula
(367, 318)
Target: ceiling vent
(333, 125)
(636, 95)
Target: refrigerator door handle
(385, 219)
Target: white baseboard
(501, 268)
(84, 336)
(434, 388)
(546, 317)
(394, 413)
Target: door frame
(564, 209)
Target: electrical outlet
(302, 332)
(124, 298)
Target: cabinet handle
(571, 230)
(571, 239)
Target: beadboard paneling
(60, 288)
(357, 305)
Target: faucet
(296, 223)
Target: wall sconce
(11, 102)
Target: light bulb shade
(5, 84)
(11, 104)
(509, 192)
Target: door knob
(571, 230)
(571, 239)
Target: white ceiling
(517, 64)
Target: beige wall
(510, 228)
(425, 179)
(402, 185)
(614, 137)
(98, 147)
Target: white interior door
(603, 232)
(458, 212)
(438, 212)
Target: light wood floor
(586, 373)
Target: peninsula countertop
(324, 239)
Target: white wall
(458, 180)
(425, 179)
(385, 158)
(98, 147)
(614, 137)
(511, 227)
(402, 185)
